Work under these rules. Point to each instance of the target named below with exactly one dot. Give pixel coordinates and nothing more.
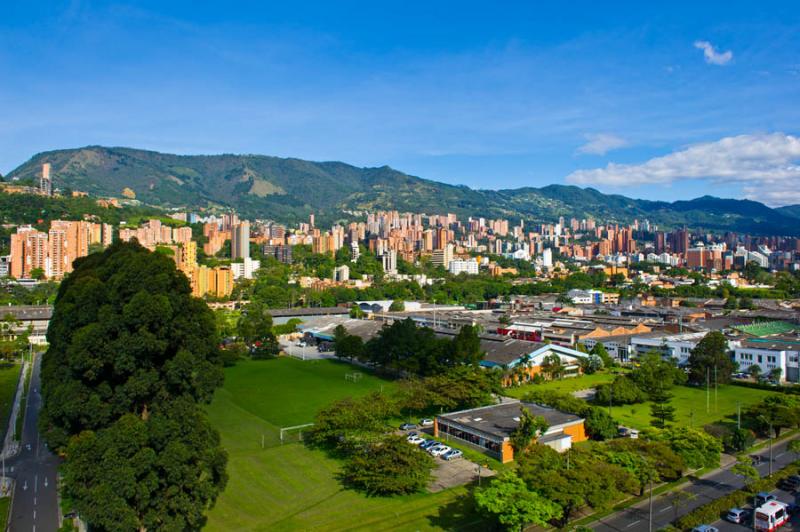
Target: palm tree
(754, 370)
(775, 374)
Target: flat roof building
(489, 428)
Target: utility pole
(738, 414)
(716, 386)
(708, 398)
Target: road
(714, 486)
(35, 504)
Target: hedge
(708, 513)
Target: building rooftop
(501, 420)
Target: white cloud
(765, 166)
(712, 56)
(602, 143)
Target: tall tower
(240, 241)
(45, 184)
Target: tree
(710, 355)
(600, 350)
(696, 447)
(255, 329)
(678, 499)
(599, 424)
(158, 473)
(552, 366)
(505, 319)
(13, 341)
(348, 346)
(754, 371)
(591, 364)
(398, 305)
(346, 424)
(508, 500)
(389, 466)
(747, 472)
(660, 408)
(621, 391)
(655, 373)
(356, 312)
(794, 447)
(529, 427)
(775, 374)
(776, 411)
(131, 352)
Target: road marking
(34, 515)
(36, 484)
(45, 482)
(25, 487)
(779, 455)
(664, 509)
(634, 523)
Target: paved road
(636, 518)
(35, 504)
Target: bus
(772, 515)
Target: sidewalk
(10, 443)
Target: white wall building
(769, 354)
(468, 266)
(245, 269)
(677, 346)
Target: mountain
(288, 190)
(790, 210)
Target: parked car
(427, 444)
(416, 440)
(438, 450)
(705, 528)
(791, 483)
(452, 454)
(426, 422)
(408, 426)
(763, 497)
(737, 515)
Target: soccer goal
(353, 377)
(293, 434)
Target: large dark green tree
(255, 330)
(710, 359)
(130, 347)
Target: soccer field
(690, 406)
(291, 487)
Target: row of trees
(405, 348)
(131, 355)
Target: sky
(653, 100)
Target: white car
(439, 450)
(416, 440)
(452, 454)
(426, 422)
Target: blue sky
(659, 102)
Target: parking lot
(452, 473)
(783, 496)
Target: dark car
(791, 483)
(408, 426)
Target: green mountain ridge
(289, 189)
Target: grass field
(690, 406)
(291, 487)
(569, 384)
(9, 377)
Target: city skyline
(652, 104)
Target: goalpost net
(293, 434)
(353, 377)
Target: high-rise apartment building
(240, 241)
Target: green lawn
(568, 384)
(690, 406)
(291, 487)
(5, 507)
(9, 377)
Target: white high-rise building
(547, 258)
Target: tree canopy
(131, 353)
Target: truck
(771, 515)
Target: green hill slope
(289, 189)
